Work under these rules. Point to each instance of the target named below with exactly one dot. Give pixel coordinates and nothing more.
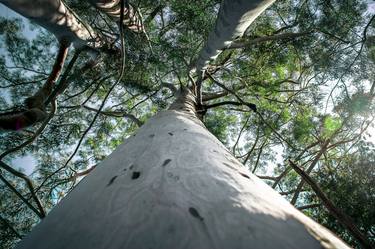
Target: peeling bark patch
(170, 133)
(131, 167)
(166, 162)
(111, 181)
(136, 175)
(195, 213)
(244, 175)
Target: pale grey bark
(174, 185)
(234, 18)
(54, 16)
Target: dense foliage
(313, 87)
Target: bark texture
(54, 16)
(132, 19)
(174, 185)
(234, 18)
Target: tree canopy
(297, 88)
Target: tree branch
(35, 111)
(341, 217)
(246, 42)
(313, 205)
(40, 213)
(170, 87)
(35, 135)
(309, 169)
(117, 114)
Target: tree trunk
(235, 16)
(174, 185)
(54, 16)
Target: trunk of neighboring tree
(54, 16)
(174, 185)
(233, 20)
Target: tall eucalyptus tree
(173, 184)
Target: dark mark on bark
(229, 166)
(244, 175)
(152, 135)
(166, 162)
(131, 167)
(195, 213)
(111, 181)
(136, 175)
(170, 133)
(185, 129)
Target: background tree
(308, 66)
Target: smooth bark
(233, 20)
(57, 18)
(174, 185)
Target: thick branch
(223, 103)
(313, 205)
(309, 169)
(341, 217)
(64, 81)
(35, 111)
(206, 96)
(35, 135)
(246, 42)
(81, 173)
(57, 18)
(287, 169)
